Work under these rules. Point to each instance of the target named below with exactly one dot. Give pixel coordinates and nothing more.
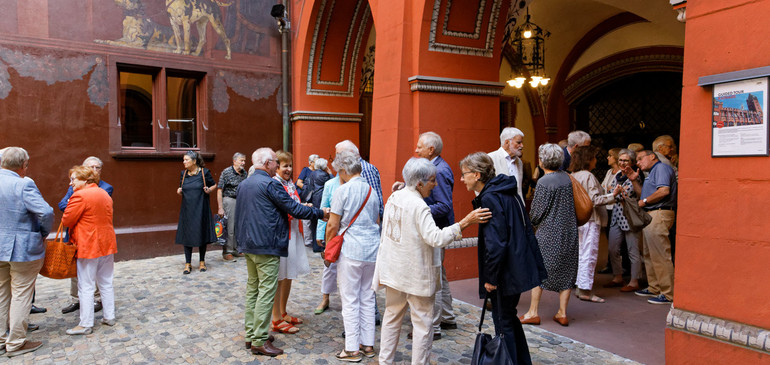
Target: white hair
(261, 156)
(14, 158)
(312, 158)
(93, 158)
(577, 138)
(659, 142)
(347, 145)
(417, 169)
(347, 161)
(510, 133)
(551, 156)
(320, 163)
(432, 139)
(238, 155)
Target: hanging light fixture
(528, 41)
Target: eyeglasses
(468, 172)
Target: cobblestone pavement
(166, 317)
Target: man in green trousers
(261, 219)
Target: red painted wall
(722, 241)
(685, 348)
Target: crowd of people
(396, 245)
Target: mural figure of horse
(185, 13)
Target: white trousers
(329, 279)
(307, 232)
(588, 237)
(355, 283)
(91, 272)
(421, 309)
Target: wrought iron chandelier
(528, 41)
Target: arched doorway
(631, 109)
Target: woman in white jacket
(408, 265)
(583, 161)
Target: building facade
(137, 83)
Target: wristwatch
(644, 200)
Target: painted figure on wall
(185, 13)
(145, 26)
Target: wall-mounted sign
(739, 121)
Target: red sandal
(282, 326)
(293, 320)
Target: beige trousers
(421, 309)
(17, 283)
(657, 253)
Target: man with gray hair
(429, 147)
(96, 164)
(25, 221)
(229, 180)
(665, 149)
(507, 159)
(368, 171)
(262, 231)
(574, 139)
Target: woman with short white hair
(355, 266)
(408, 266)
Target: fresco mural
(181, 26)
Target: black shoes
(76, 306)
(448, 326)
(35, 310)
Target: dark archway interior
(632, 109)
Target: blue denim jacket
(25, 219)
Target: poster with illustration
(739, 123)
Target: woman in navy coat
(509, 257)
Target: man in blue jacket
(25, 221)
(262, 231)
(429, 146)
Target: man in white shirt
(507, 159)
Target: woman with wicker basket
(89, 218)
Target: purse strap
(358, 212)
(203, 176)
(483, 309)
(59, 232)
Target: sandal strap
(284, 327)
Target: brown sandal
(187, 269)
(203, 267)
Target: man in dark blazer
(429, 146)
(262, 207)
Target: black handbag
(488, 350)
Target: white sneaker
(80, 331)
(109, 322)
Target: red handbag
(334, 246)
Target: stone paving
(166, 317)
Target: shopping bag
(60, 258)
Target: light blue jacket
(25, 219)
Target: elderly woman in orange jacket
(89, 218)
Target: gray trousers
(633, 240)
(74, 292)
(442, 305)
(228, 204)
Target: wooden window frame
(159, 70)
